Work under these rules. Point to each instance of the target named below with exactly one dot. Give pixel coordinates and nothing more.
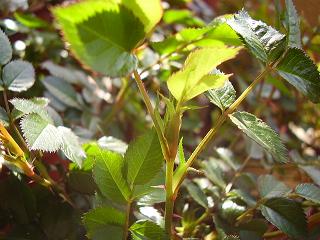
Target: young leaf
(40, 134)
(101, 33)
(108, 175)
(299, 70)
(262, 40)
(18, 76)
(147, 230)
(71, 146)
(104, 221)
(222, 97)
(5, 49)
(261, 133)
(309, 191)
(62, 91)
(197, 194)
(287, 215)
(143, 159)
(293, 25)
(195, 77)
(270, 187)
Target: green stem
(146, 99)
(169, 198)
(212, 132)
(126, 223)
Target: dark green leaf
(270, 187)
(222, 97)
(5, 49)
(18, 76)
(309, 191)
(263, 41)
(146, 230)
(143, 159)
(104, 221)
(287, 215)
(108, 175)
(261, 133)
(293, 25)
(299, 70)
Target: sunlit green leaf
(195, 77)
(261, 133)
(33, 105)
(263, 41)
(147, 230)
(108, 175)
(222, 97)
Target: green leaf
(71, 146)
(262, 40)
(101, 33)
(18, 76)
(261, 133)
(196, 193)
(222, 97)
(195, 77)
(287, 215)
(30, 20)
(62, 90)
(40, 134)
(214, 173)
(143, 159)
(147, 230)
(108, 175)
(4, 119)
(313, 172)
(309, 191)
(183, 17)
(104, 221)
(293, 25)
(5, 49)
(34, 105)
(113, 144)
(299, 70)
(270, 187)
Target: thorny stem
(212, 132)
